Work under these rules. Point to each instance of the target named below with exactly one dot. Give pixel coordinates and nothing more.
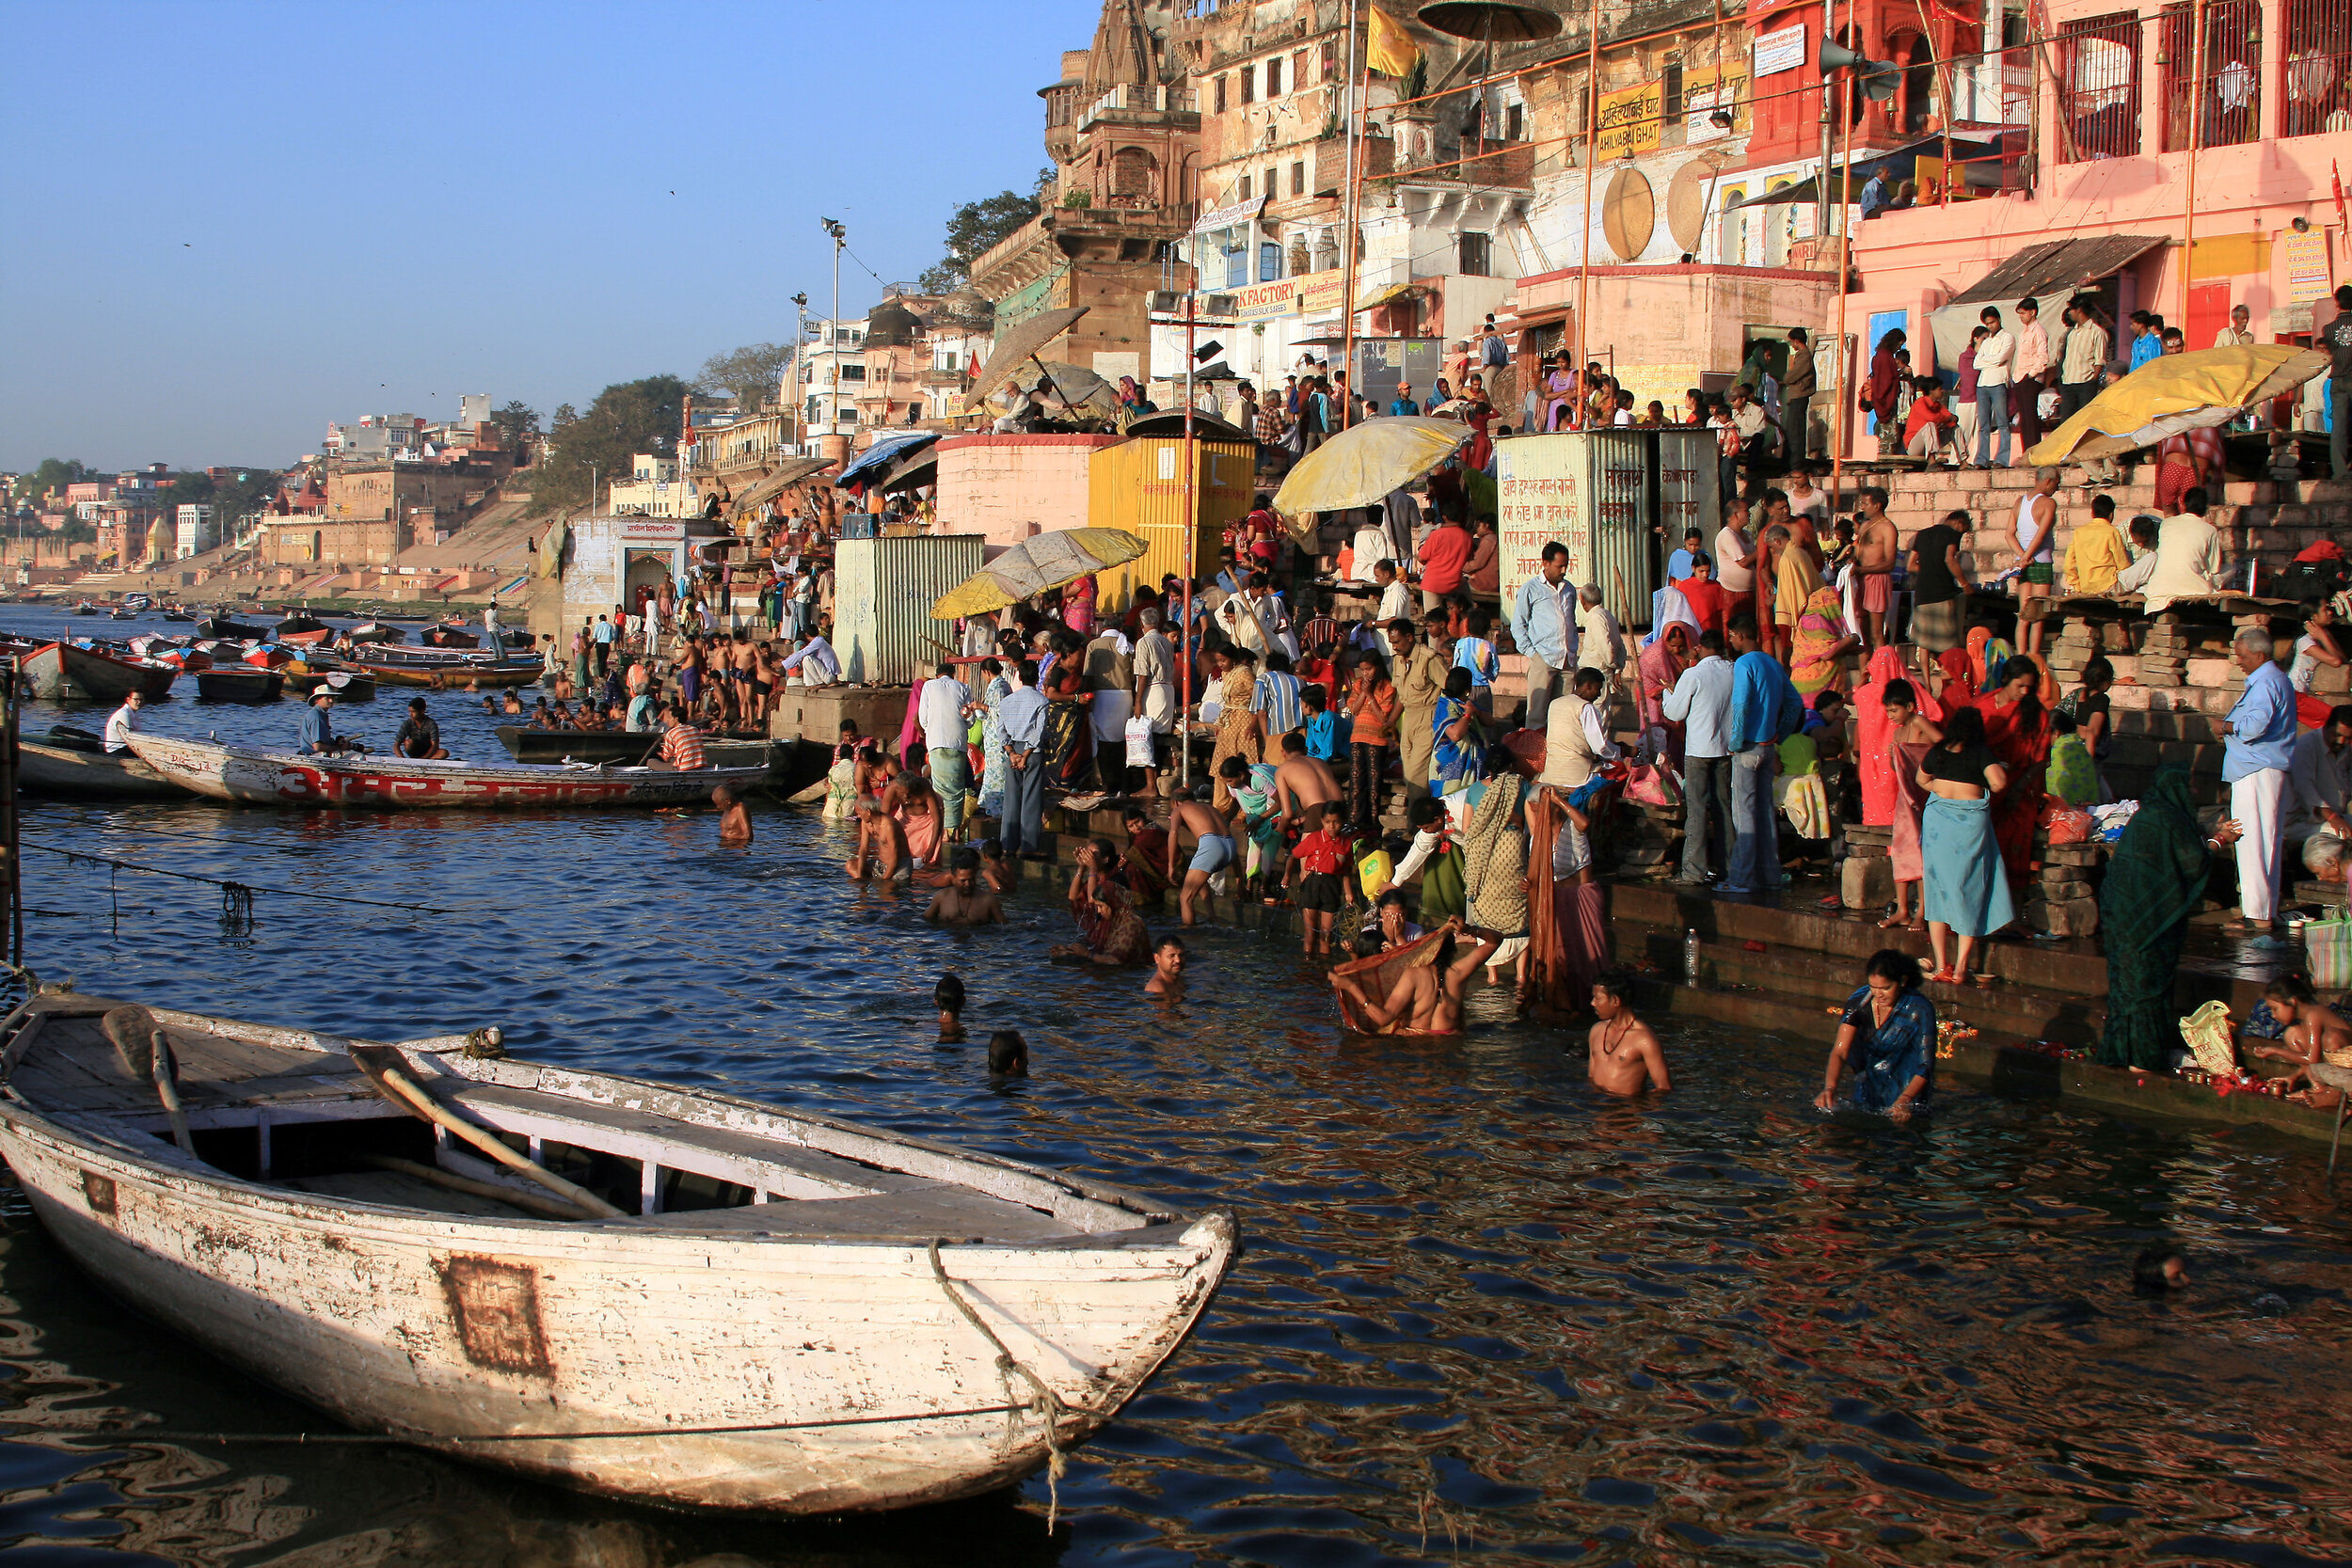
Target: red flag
(2336, 179)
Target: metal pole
(832, 328)
(1585, 247)
(9, 848)
(1349, 215)
(2195, 116)
(1844, 400)
(1829, 101)
(1191, 511)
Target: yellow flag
(1390, 52)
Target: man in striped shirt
(681, 743)
(1277, 702)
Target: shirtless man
(734, 819)
(765, 680)
(1301, 781)
(1875, 549)
(965, 901)
(2036, 524)
(690, 676)
(513, 704)
(996, 873)
(1213, 836)
(1426, 999)
(1621, 1050)
(1167, 968)
(741, 667)
(881, 844)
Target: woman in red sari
(1478, 416)
(2017, 731)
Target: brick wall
(1009, 487)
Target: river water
(1483, 1314)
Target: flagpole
(2196, 114)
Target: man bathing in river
(1426, 999)
(1167, 968)
(734, 819)
(1213, 836)
(965, 900)
(881, 844)
(1302, 782)
(1621, 1050)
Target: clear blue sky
(227, 223)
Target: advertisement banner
(1631, 121)
(1262, 301)
(1539, 498)
(653, 531)
(1780, 51)
(2306, 259)
(1319, 294)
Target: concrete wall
(1662, 328)
(1007, 488)
(595, 563)
(307, 541)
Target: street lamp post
(800, 357)
(832, 400)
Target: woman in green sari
(2152, 886)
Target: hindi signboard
(1631, 121)
(1780, 51)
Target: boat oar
(145, 1053)
(381, 1066)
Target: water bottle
(1691, 956)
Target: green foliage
(516, 423)
(1417, 79)
(751, 374)
(627, 418)
(973, 228)
(55, 473)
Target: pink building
(2114, 197)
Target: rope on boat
(1058, 1464)
(246, 888)
(166, 1435)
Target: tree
(975, 226)
(752, 374)
(627, 418)
(55, 473)
(517, 423)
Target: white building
(831, 368)
(656, 487)
(193, 533)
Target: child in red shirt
(1315, 862)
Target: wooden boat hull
(240, 684)
(253, 777)
(739, 1360)
(58, 772)
(62, 673)
(444, 636)
(454, 677)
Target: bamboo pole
(1350, 198)
(1585, 249)
(1845, 253)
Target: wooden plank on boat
(934, 1208)
(405, 1192)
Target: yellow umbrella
(1365, 462)
(1032, 566)
(2174, 392)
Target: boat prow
(743, 1307)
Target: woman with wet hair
(1888, 1038)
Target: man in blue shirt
(1543, 627)
(2257, 752)
(1404, 404)
(1765, 711)
(2147, 337)
(1701, 702)
(1022, 716)
(319, 738)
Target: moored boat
(73, 765)
(743, 1307)
(84, 608)
(60, 671)
(349, 686)
(376, 631)
(227, 630)
(304, 630)
(256, 776)
(442, 634)
(455, 676)
(239, 683)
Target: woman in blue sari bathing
(1887, 1037)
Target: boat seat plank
(406, 1192)
(492, 1098)
(936, 1210)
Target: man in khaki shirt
(1419, 675)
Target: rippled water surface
(1484, 1315)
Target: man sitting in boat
(681, 742)
(121, 724)
(420, 737)
(319, 738)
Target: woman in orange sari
(2017, 730)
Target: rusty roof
(2057, 267)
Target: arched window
(1780, 217)
(1132, 177)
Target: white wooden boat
(255, 776)
(779, 1311)
(74, 767)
